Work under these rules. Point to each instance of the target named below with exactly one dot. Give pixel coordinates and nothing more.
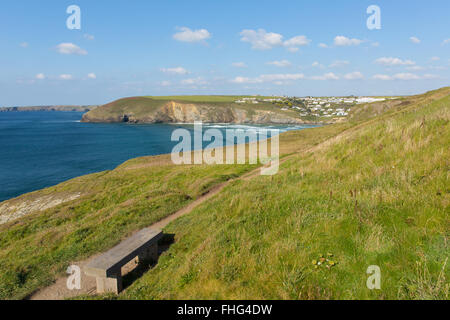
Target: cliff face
(176, 112)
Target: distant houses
(320, 107)
(248, 100)
(368, 100)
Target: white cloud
(88, 36)
(243, 80)
(239, 65)
(188, 35)
(406, 76)
(293, 49)
(375, 44)
(270, 78)
(40, 76)
(194, 81)
(92, 75)
(398, 76)
(297, 41)
(281, 77)
(316, 64)
(382, 77)
(414, 40)
(323, 45)
(281, 63)
(70, 48)
(435, 59)
(339, 63)
(24, 44)
(415, 68)
(66, 77)
(262, 40)
(430, 76)
(390, 61)
(326, 76)
(344, 41)
(165, 83)
(177, 70)
(446, 41)
(438, 67)
(354, 76)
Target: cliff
(150, 110)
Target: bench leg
(112, 284)
(151, 253)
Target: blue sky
(128, 48)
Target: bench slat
(111, 261)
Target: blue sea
(42, 149)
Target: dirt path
(59, 291)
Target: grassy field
(204, 99)
(145, 108)
(140, 106)
(370, 191)
(34, 249)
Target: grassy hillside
(37, 248)
(203, 99)
(371, 110)
(113, 204)
(376, 195)
(146, 109)
(367, 192)
(140, 106)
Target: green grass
(145, 108)
(204, 99)
(140, 106)
(34, 249)
(376, 194)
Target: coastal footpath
(369, 191)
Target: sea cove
(41, 149)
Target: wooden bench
(107, 267)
